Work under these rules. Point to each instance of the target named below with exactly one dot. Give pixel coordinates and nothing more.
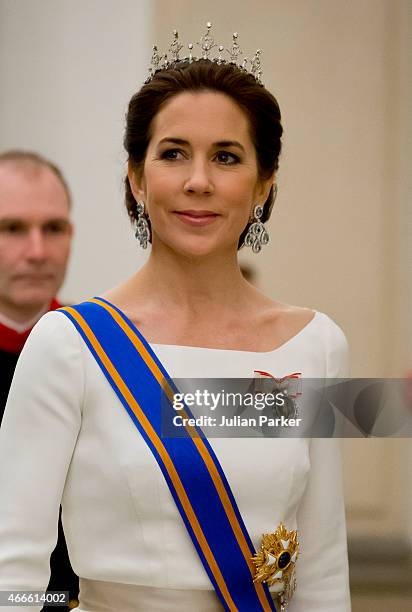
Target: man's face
(35, 237)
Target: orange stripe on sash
(198, 441)
(160, 449)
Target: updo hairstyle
(259, 105)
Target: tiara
(207, 44)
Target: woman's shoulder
(336, 347)
(290, 315)
(292, 319)
(54, 321)
(334, 343)
(286, 321)
(54, 333)
(283, 321)
(49, 378)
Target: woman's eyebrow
(220, 143)
(173, 140)
(229, 143)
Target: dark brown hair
(259, 105)
(23, 159)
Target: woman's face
(200, 178)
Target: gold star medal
(275, 563)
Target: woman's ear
(264, 188)
(136, 180)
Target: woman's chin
(197, 247)
(197, 251)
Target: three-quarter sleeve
(38, 434)
(337, 351)
(322, 569)
(322, 566)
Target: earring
(256, 236)
(142, 233)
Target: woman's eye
(171, 154)
(226, 158)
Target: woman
(153, 524)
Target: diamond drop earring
(142, 231)
(257, 235)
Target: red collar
(13, 341)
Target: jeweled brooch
(275, 563)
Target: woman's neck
(199, 287)
(196, 283)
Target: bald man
(35, 239)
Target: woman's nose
(199, 178)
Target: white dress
(66, 438)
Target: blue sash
(189, 465)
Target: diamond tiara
(207, 44)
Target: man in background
(35, 240)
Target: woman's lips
(196, 217)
